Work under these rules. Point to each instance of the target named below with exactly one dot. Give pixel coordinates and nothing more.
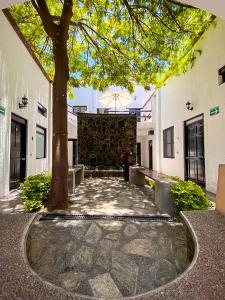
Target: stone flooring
(108, 259)
(12, 203)
(112, 196)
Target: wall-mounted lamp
(24, 102)
(189, 106)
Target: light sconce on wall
(189, 106)
(24, 102)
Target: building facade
(189, 113)
(146, 135)
(25, 110)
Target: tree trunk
(59, 189)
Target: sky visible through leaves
(113, 41)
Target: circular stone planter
(108, 259)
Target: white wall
(7, 3)
(72, 126)
(199, 86)
(216, 7)
(20, 75)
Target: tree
(59, 36)
(105, 42)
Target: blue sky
(89, 97)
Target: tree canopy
(111, 41)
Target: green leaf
(107, 46)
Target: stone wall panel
(104, 138)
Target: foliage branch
(111, 41)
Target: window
(40, 142)
(151, 132)
(42, 110)
(221, 74)
(168, 142)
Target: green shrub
(31, 205)
(35, 191)
(174, 178)
(188, 196)
(150, 183)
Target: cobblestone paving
(108, 259)
(112, 196)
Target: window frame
(166, 143)
(42, 110)
(45, 140)
(221, 75)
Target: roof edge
(149, 99)
(16, 28)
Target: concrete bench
(137, 175)
(75, 177)
(164, 200)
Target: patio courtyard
(112, 166)
(108, 257)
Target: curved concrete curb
(48, 284)
(147, 294)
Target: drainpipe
(158, 130)
(50, 115)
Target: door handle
(23, 158)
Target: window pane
(169, 136)
(169, 150)
(168, 142)
(40, 142)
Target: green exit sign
(2, 110)
(214, 111)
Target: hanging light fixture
(189, 105)
(24, 102)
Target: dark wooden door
(17, 151)
(150, 155)
(194, 151)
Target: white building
(145, 134)
(190, 143)
(25, 132)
